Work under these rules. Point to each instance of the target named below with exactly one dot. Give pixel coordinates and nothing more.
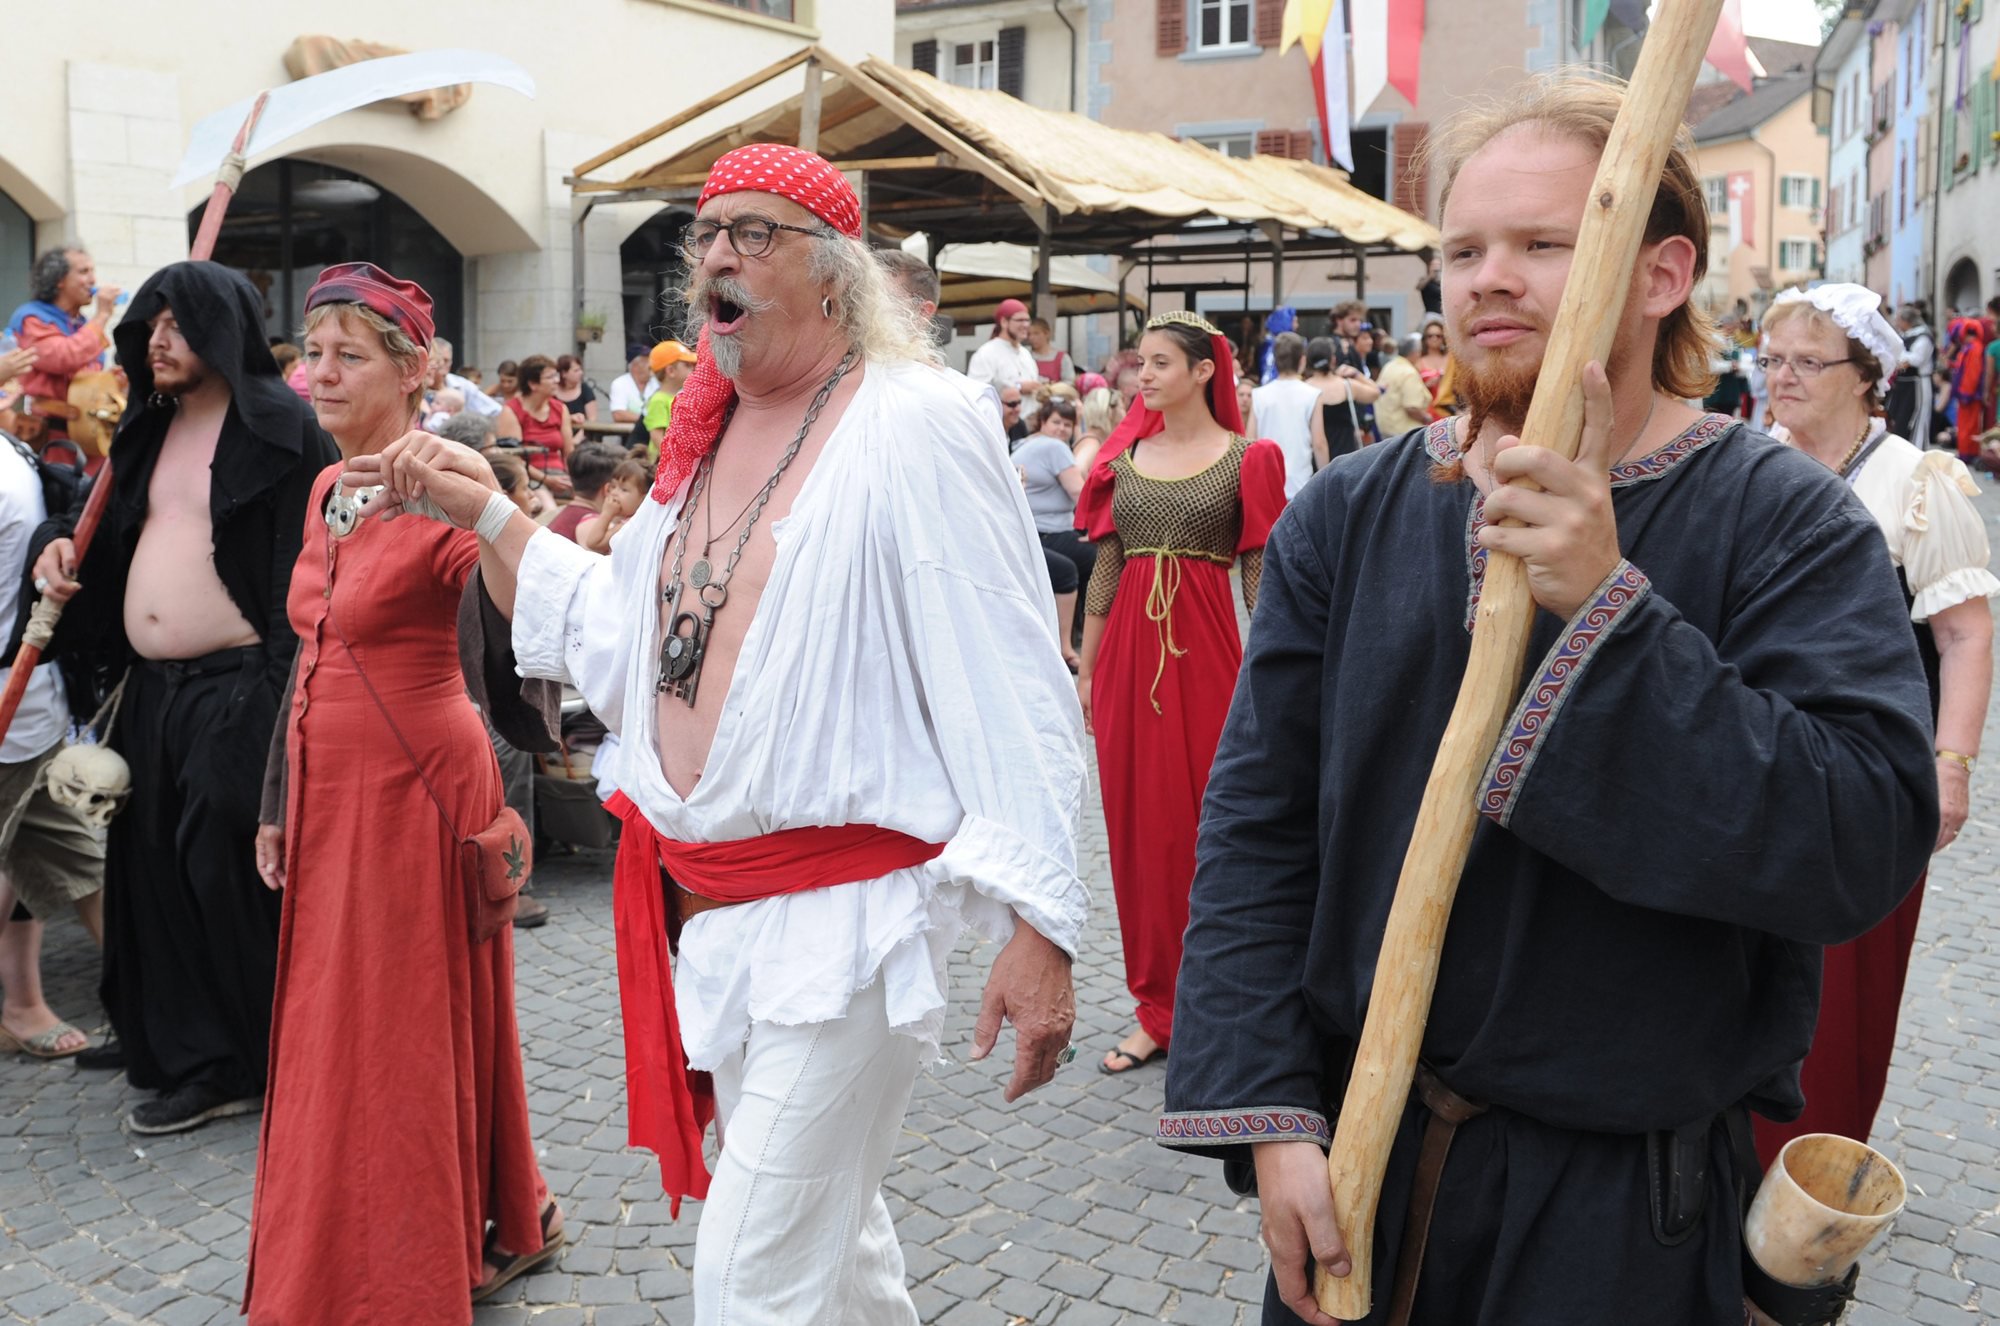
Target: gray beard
(728, 353)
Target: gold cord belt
(1160, 601)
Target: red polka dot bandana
(806, 178)
(699, 409)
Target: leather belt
(1447, 1110)
(689, 905)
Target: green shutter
(1950, 147)
(1815, 201)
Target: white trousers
(795, 1232)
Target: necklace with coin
(685, 646)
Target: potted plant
(590, 325)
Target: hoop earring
(826, 306)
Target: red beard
(1500, 391)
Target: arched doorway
(17, 254)
(653, 270)
(290, 219)
(1961, 287)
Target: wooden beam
(809, 109)
(936, 161)
(702, 107)
(968, 155)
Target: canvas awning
(972, 166)
(974, 278)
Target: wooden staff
(1607, 249)
(47, 612)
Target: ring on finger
(41, 584)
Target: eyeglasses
(750, 236)
(1805, 366)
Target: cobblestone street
(1058, 1210)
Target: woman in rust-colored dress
(1177, 496)
(396, 1175)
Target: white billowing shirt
(1922, 500)
(1001, 363)
(902, 669)
(1284, 408)
(43, 716)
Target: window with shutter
(1170, 26)
(1274, 142)
(1950, 148)
(1270, 22)
(1013, 60)
(923, 55)
(1410, 193)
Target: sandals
(507, 1269)
(43, 1044)
(1132, 1061)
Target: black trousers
(1543, 1226)
(1082, 554)
(190, 931)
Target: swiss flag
(1742, 210)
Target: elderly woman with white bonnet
(1827, 355)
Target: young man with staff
(1720, 762)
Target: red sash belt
(669, 1106)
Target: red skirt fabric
(395, 1125)
(1152, 763)
(1847, 1069)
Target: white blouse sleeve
(569, 625)
(1945, 552)
(1001, 705)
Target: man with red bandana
(846, 733)
(185, 585)
(1005, 360)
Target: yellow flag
(1305, 23)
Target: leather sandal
(508, 1269)
(43, 1044)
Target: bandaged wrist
(493, 520)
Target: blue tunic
(1716, 767)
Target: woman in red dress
(396, 1175)
(1177, 496)
(541, 423)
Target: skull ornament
(94, 781)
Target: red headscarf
(1093, 506)
(703, 401)
(1968, 370)
(404, 303)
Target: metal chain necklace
(685, 646)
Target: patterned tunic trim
(1701, 434)
(1621, 592)
(1203, 1128)
(1438, 444)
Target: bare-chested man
(186, 583)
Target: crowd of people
(863, 616)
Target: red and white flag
(1387, 41)
(1742, 210)
(1728, 52)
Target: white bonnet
(1856, 310)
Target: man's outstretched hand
(1029, 987)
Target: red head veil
(1093, 506)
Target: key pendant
(681, 655)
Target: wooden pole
(809, 109)
(1607, 249)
